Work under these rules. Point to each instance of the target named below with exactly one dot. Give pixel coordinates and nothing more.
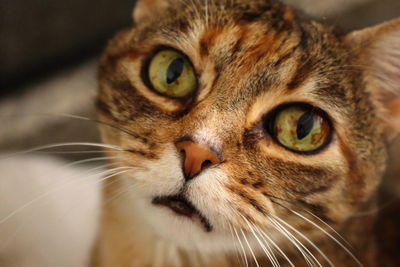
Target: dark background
(39, 37)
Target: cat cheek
(162, 176)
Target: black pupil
(305, 125)
(175, 70)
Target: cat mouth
(182, 207)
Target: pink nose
(196, 158)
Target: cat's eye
(170, 73)
(300, 128)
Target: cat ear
(378, 49)
(148, 9)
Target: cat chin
(180, 231)
(190, 236)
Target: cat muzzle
(182, 207)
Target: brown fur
(250, 57)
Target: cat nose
(197, 157)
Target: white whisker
(236, 247)
(330, 227)
(242, 247)
(275, 246)
(18, 210)
(307, 239)
(62, 145)
(329, 235)
(302, 249)
(71, 116)
(76, 152)
(268, 250)
(89, 160)
(248, 245)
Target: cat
(252, 136)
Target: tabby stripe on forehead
(282, 59)
(304, 66)
(301, 74)
(262, 48)
(208, 40)
(240, 37)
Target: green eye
(172, 74)
(300, 128)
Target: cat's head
(239, 115)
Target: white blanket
(48, 212)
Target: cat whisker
(19, 228)
(238, 254)
(121, 192)
(76, 152)
(74, 163)
(44, 147)
(72, 116)
(107, 178)
(90, 160)
(299, 207)
(263, 234)
(377, 209)
(242, 247)
(251, 250)
(325, 232)
(267, 250)
(270, 251)
(305, 238)
(113, 181)
(330, 227)
(21, 208)
(307, 255)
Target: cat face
(238, 116)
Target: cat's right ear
(378, 51)
(148, 9)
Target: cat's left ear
(148, 9)
(378, 49)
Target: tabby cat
(251, 136)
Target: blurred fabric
(38, 36)
(48, 212)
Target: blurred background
(48, 58)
